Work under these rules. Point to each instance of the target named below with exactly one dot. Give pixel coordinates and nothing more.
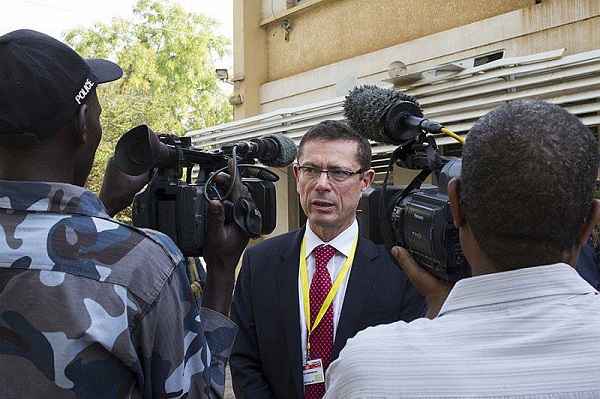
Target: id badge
(313, 372)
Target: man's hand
(432, 288)
(118, 188)
(223, 247)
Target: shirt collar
(49, 197)
(342, 242)
(515, 285)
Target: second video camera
(179, 208)
(414, 217)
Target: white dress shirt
(343, 245)
(527, 333)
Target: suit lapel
(363, 273)
(287, 285)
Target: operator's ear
(456, 206)
(80, 125)
(592, 220)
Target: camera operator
(90, 307)
(526, 324)
(275, 355)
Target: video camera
(179, 208)
(414, 217)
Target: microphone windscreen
(287, 151)
(365, 108)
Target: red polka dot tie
(321, 339)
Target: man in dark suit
(300, 296)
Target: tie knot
(323, 254)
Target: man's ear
(592, 220)
(456, 206)
(80, 128)
(368, 176)
(297, 176)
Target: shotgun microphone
(386, 115)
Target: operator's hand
(118, 188)
(223, 247)
(432, 288)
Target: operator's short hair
(338, 131)
(527, 182)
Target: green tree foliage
(167, 56)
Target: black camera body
(174, 208)
(420, 221)
(179, 208)
(414, 217)
(423, 224)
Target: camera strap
(246, 215)
(387, 231)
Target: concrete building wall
(249, 55)
(547, 26)
(332, 31)
(335, 45)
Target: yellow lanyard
(332, 292)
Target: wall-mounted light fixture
(223, 75)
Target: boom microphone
(386, 115)
(140, 149)
(271, 150)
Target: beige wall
(551, 25)
(334, 31)
(328, 31)
(249, 56)
(337, 44)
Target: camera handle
(401, 152)
(259, 171)
(233, 178)
(244, 211)
(245, 214)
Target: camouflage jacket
(91, 308)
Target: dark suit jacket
(587, 266)
(266, 360)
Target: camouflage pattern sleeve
(92, 308)
(180, 353)
(220, 334)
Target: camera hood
(139, 150)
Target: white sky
(54, 17)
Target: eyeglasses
(309, 173)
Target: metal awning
(456, 100)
